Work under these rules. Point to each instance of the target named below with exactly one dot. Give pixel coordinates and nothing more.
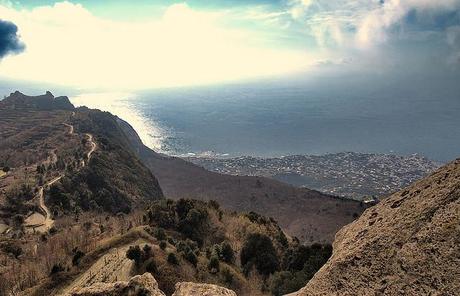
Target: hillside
(307, 214)
(409, 244)
(58, 160)
(180, 241)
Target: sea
(278, 118)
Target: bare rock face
(139, 285)
(409, 244)
(193, 289)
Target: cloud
(9, 39)
(374, 27)
(67, 44)
(364, 23)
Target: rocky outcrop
(146, 285)
(193, 289)
(409, 244)
(46, 102)
(140, 285)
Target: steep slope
(62, 160)
(307, 214)
(409, 244)
(115, 178)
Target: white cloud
(66, 44)
(359, 23)
(372, 29)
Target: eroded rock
(409, 244)
(194, 289)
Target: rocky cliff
(409, 244)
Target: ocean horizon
(271, 120)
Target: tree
(134, 253)
(258, 250)
(191, 257)
(226, 253)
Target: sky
(130, 45)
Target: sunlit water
(121, 105)
(274, 120)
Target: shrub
(214, 204)
(286, 282)
(172, 259)
(134, 253)
(6, 169)
(226, 252)
(77, 257)
(192, 226)
(258, 250)
(159, 233)
(191, 257)
(183, 206)
(147, 251)
(56, 268)
(213, 264)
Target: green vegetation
(300, 263)
(258, 251)
(198, 231)
(114, 177)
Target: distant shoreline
(348, 174)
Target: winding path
(48, 223)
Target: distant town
(358, 176)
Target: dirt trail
(70, 128)
(93, 146)
(48, 223)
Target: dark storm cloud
(9, 39)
